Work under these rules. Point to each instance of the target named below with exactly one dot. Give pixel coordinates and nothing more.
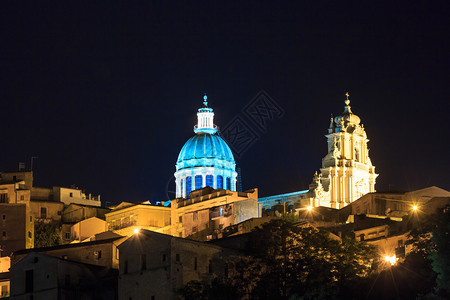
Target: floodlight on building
(415, 207)
(136, 230)
(309, 208)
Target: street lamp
(391, 259)
(136, 230)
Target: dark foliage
(47, 234)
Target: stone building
(102, 252)
(213, 209)
(87, 229)
(16, 228)
(396, 204)
(126, 217)
(156, 266)
(5, 264)
(41, 277)
(206, 208)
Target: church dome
(347, 117)
(205, 159)
(205, 150)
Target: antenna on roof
(32, 159)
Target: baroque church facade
(347, 172)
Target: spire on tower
(205, 100)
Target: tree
(285, 260)
(47, 234)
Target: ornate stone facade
(347, 172)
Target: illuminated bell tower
(205, 159)
(347, 172)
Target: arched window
(188, 185)
(219, 182)
(209, 180)
(198, 182)
(228, 183)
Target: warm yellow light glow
(391, 259)
(136, 230)
(414, 207)
(309, 208)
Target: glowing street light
(415, 207)
(309, 208)
(136, 230)
(391, 259)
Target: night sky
(105, 95)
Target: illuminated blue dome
(205, 150)
(205, 159)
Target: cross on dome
(205, 100)
(347, 102)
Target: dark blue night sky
(106, 94)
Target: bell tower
(347, 172)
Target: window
(221, 211)
(195, 263)
(188, 185)
(31, 218)
(194, 216)
(14, 178)
(228, 183)
(67, 234)
(29, 284)
(22, 197)
(43, 213)
(194, 229)
(180, 219)
(163, 257)
(71, 195)
(3, 198)
(4, 217)
(99, 254)
(177, 257)
(198, 182)
(219, 183)
(209, 180)
(181, 185)
(29, 234)
(143, 262)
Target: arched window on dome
(219, 184)
(209, 180)
(228, 183)
(188, 185)
(198, 182)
